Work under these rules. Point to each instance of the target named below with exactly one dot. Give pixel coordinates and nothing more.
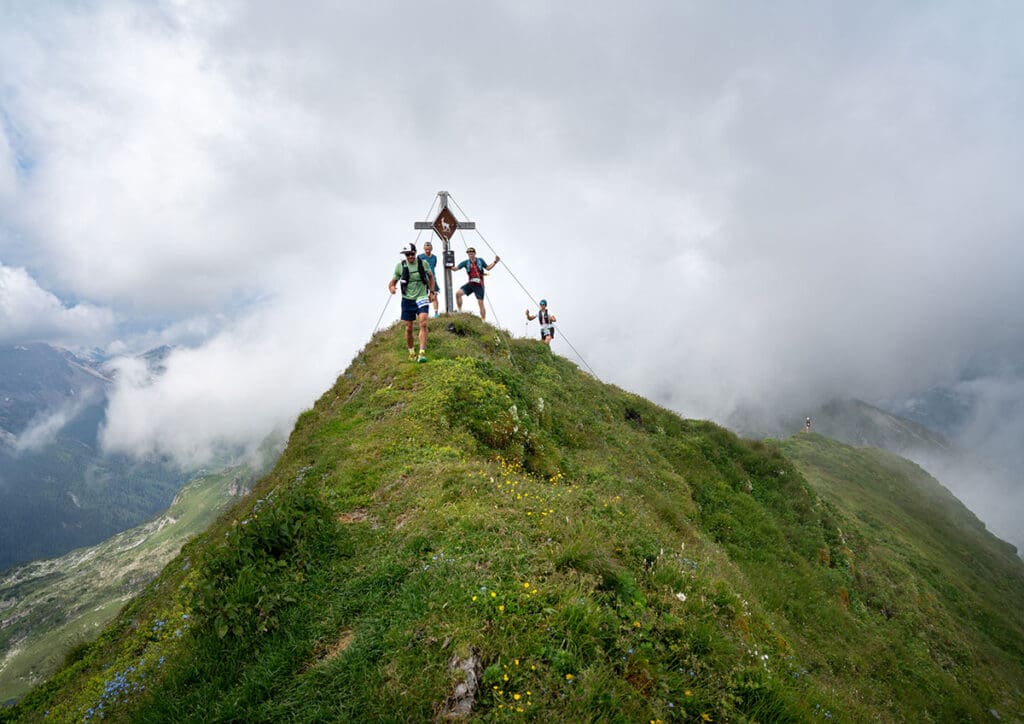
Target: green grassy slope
(47, 607)
(949, 592)
(499, 533)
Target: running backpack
(480, 269)
(405, 275)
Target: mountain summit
(495, 534)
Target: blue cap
(543, 302)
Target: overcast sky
(725, 203)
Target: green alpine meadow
(497, 536)
(51, 606)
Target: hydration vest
(405, 274)
(478, 278)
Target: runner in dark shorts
(417, 283)
(475, 268)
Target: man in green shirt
(417, 292)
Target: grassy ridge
(923, 572)
(564, 550)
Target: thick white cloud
(29, 313)
(756, 205)
(158, 178)
(240, 385)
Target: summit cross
(445, 226)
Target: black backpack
(405, 275)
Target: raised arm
(494, 263)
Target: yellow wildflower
(568, 677)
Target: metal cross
(444, 226)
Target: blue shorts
(412, 308)
(477, 289)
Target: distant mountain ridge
(993, 493)
(857, 423)
(849, 420)
(37, 379)
(58, 490)
(938, 408)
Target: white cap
(408, 249)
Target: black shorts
(412, 308)
(477, 289)
(546, 332)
